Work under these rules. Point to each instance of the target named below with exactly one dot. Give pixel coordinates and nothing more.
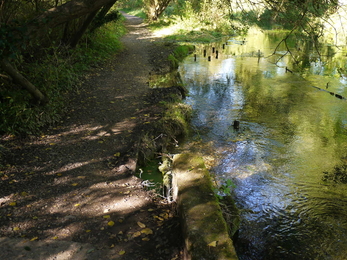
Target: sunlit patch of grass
(189, 30)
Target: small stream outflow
(280, 140)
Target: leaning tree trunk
(102, 14)
(22, 81)
(78, 35)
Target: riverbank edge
(205, 230)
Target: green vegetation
(44, 53)
(207, 21)
(179, 54)
(57, 73)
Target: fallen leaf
(213, 244)
(145, 239)
(88, 230)
(76, 205)
(147, 231)
(122, 252)
(117, 154)
(137, 234)
(55, 237)
(106, 216)
(13, 203)
(74, 184)
(34, 238)
(110, 223)
(112, 246)
(16, 228)
(141, 225)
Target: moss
(205, 230)
(179, 54)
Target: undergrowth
(57, 72)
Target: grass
(57, 72)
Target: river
(288, 157)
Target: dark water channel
(288, 158)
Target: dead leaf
(110, 223)
(106, 216)
(147, 231)
(34, 238)
(122, 252)
(136, 234)
(141, 225)
(213, 244)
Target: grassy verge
(58, 73)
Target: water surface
(291, 144)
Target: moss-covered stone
(204, 228)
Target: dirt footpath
(72, 193)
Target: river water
(288, 158)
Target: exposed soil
(72, 193)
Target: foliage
(99, 21)
(58, 74)
(179, 54)
(224, 189)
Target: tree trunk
(106, 8)
(64, 13)
(78, 35)
(22, 81)
(101, 15)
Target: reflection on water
(291, 133)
